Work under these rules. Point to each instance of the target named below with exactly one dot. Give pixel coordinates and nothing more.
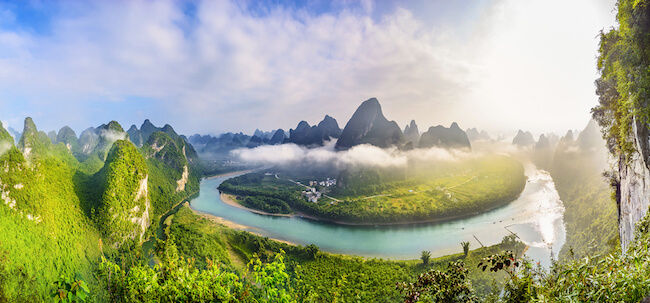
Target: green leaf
(82, 296)
(84, 286)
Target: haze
(217, 66)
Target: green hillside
(124, 209)
(58, 215)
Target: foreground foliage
(319, 276)
(615, 277)
(175, 279)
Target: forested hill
(623, 111)
(66, 202)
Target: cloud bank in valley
(360, 155)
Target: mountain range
(368, 125)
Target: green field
(421, 192)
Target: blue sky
(217, 66)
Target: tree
(276, 283)
(312, 251)
(452, 285)
(426, 255)
(465, 248)
(624, 84)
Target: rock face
(412, 134)
(440, 136)
(523, 139)
(369, 126)
(633, 192)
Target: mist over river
(536, 216)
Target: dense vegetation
(55, 209)
(624, 84)
(198, 250)
(590, 212)
(623, 90)
(422, 192)
(125, 200)
(617, 277)
(44, 231)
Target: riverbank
(232, 225)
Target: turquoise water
(536, 217)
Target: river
(536, 216)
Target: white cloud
(360, 155)
(4, 147)
(230, 69)
(112, 135)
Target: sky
(218, 66)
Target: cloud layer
(360, 155)
(234, 65)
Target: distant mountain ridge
(440, 136)
(523, 139)
(316, 135)
(368, 125)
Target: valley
(146, 197)
(423, 192)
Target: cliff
(633, 191)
